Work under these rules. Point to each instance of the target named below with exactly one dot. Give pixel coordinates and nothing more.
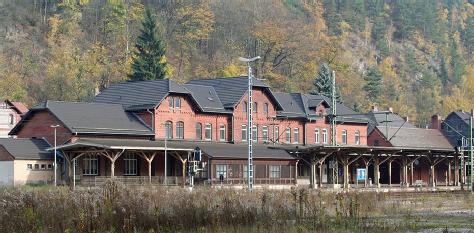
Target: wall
(6, 111)
(23, 175)
(377, 139)
(6, 173)
(39, 126)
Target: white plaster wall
(23, 175)
(6, 173)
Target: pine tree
(149, 59)
(373, 85)
(323, 83)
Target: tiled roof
(386, 118)
(211, 149)
(300, 105)
(230, 90)
(21, 148)
(415, 137)
(139, 94)
(92, 118)
(206, 98)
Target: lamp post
(249, 121)
(55, 154)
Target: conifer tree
(149, 58)
(373, 85)
(323, 82)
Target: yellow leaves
(462, 97)
(233, 70)
(195, 22)
(345, 29)
(270, 34)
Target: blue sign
(360, 174)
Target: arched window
(344, 136)
(265, 133)
(296, 135)
(180, 130)
(198, 131)
(169, 130)
(255, 133)
(316, 136)
(288, 135)
(325, 136)
(244, 133)
(265, 108)
(222, 133)
(208, 132)
(255, 107)
(357, 137)
(244, 106)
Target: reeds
(115, 208)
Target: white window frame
(316, 136)
(90, 165)
(221, 169)
(36, 167)
(296, 135)
(288, 135)
(255, 133)
(11, 119)
(274, 171)
(222, 133)
(245, 171)
(199, 127)
(177, 103)
(169, 130)
(265, 108)
(180, 130)
(171, 102)
(130, 162)
(344, 137)
(208, 132)
(244, 133)
(265, 133)
(325, 136)
(245, 106)
(29, 166)
(357, 137)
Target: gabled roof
(298, 105)
(464, 116)
(19, 107)
(230, 90)
(386, 119)
(415, 137)
(21, 148)
(139, 95)
(206, 98)
(91, 118)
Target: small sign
(361, 174)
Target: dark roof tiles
(22, 149)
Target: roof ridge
(233, 77)
(78, 102)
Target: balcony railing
(132, 180)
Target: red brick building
(206, 113)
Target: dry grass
(115, 208)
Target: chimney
(390, 109)
(375, 108)
(436, 122)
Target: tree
(373, 85)
(323, 83)
(149, 61)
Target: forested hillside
(414, 56)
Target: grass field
(116, 208)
